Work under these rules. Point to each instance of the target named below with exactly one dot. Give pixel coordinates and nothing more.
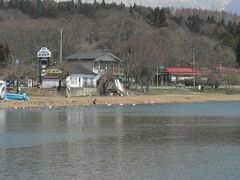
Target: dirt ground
(61, 101)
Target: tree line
(4, 54)
(144, 37)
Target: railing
(114, 70)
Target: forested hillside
(139, 35)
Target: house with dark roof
(87, 67)
(81, 77)
(96, 61)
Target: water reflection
(2, 120)
(128, 142)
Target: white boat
(2, 89)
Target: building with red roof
(220, 69)
(179, 72)
(173, 75)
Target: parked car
(9, 83)
(180, 85)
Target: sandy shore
(51, 102)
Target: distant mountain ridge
(218, 5)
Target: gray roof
(94, 55)
(76, 68)
(85, 55)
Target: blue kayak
(13, 96)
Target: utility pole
(194, 69)
(61, 37)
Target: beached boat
(13, 96)
(10, 96)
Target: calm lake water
(171, 141)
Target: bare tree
(104, 82)
(141, 54)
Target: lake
(160, 141)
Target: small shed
(52, 78)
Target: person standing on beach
(199, 87)
(68, 89)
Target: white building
(87, 67)
(81, 77)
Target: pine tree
(208, 19)
(237, 52)
(228, 39)
(162, 18)
(12, 4)
(1, 54)
(79, 2)
(215, 32)
(103, 4)
(130, 9)
(229, 25)
(194, 23)
(238, 30)
(1, 4)
(155, 17)
(4, 54)
(233, 28)
(222, 23)
(212, 20)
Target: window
(103, 65)
(96, 65)
(88, 82)
(73, 80)
(44, 62)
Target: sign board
(30, 83)
(54, 71)
(161, 69)
(17, 61)
(44, 53)
(173, 78)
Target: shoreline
(58, 102)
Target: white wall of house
(82, 80)
(50, 83)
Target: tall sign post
(162, 69)
(18, 75)
(44, 61)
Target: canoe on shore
(13, 96)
